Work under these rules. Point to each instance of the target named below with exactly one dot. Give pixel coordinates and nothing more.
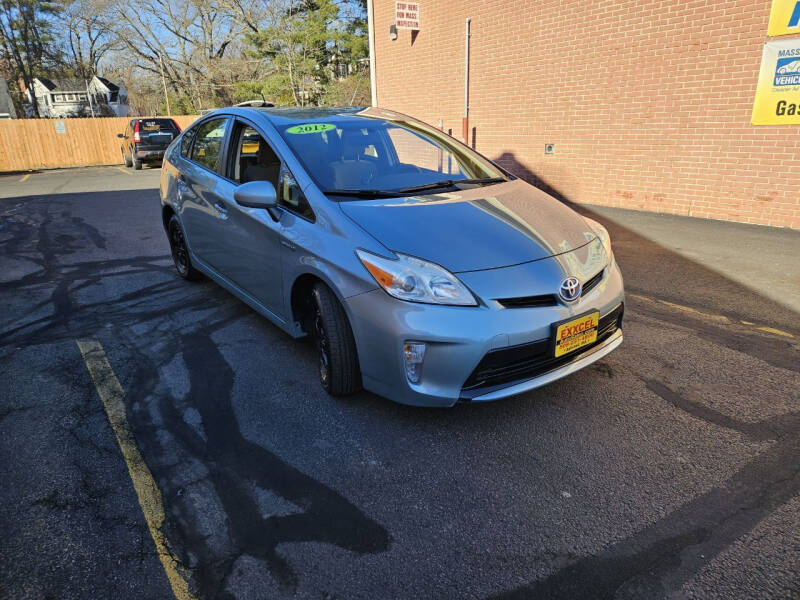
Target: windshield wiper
(447, 183)
(362, 193)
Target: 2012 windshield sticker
(310, 128)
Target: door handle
(288, 245)
(221, 207)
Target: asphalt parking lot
(671, 468)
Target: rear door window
(208, 141)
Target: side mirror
(256, 194)
(121, 135)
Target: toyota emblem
(570, 289)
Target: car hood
(471, 230)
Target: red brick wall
(648, 102)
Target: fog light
(414, 354)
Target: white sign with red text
(406, 15)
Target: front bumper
(457, 338)
(580, 361)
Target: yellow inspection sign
(777, 99)
(784, 17)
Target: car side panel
(248, 251)
(324, 249)
(199, 191)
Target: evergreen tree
(26, 39)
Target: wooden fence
(51, 143)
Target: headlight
(409, 278)
(602, 233)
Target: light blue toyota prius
(426, 273)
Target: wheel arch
(166, 214)
(299, 298)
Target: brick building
(647, 102)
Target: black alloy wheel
(339, 371)
(180, 253)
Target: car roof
(289, 115)
(293, 112)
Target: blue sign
(787, 71)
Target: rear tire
(180, 251)
(137, 164)
(339, 372)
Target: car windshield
(376, 157)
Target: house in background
(7, 110)
(64, 98)
(114, 95)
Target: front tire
(180, 251)
(126, 159)
(339, 372)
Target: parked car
(145, 140)
(425, 272)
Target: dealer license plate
(577, 333)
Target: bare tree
(88, 35)
(191, 37)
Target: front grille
(528, 301)
(592, 282)
(547, 299)
(504, 366)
